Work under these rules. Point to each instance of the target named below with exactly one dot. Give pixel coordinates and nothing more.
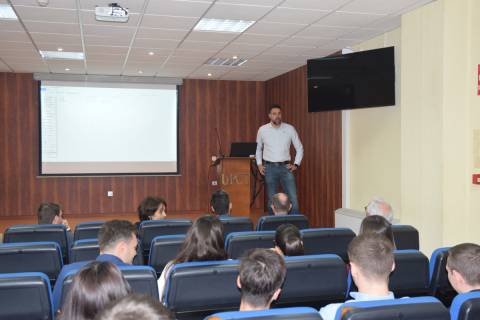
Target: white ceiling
(285, 35)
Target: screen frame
(117, 174)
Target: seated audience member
(371, 262)
(220, 203)
(92, 288)
(135, 307)
(281, 204)
(379, 207)
(261, 275)
(151, 208)
(288, 240)
(377, 225)
(117, 241)
(51, 213)
(463, 267)
(203, 242)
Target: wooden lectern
(235, 178)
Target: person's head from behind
(49, 213)
(378, 206)
(118, 238)
(220, 203)
(281, 204)
(92, 288)
(377, 225)
(135, 307)
(152, 208)
(371, 261)
(275, 114)
(262, 272)
(463, 267)
(204, 241)
(288, 240)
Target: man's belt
(277, 163)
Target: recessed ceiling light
(209, 74)
(151, 53)
(234, 57)
(67, 69)
(7, 13)
(140, 71)
(60, 49)
(62, 55)
(223, 25)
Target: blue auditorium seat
(420, 308)
(142, 280)
(87, 230)
(266, 223)
(39, 233)
(406, 237)
(298, 313)
(197, 289)
(44, 257)
(235, 224)
(466, 306)
(313, 280)
(237, 243)
(163, 250)
(84, 250)
(25, 296)
(153, 228)
(440, 286)
(327, 240)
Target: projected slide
(99, 128)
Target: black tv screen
(349, 81)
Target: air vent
(226, 62)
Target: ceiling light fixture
(67, 69)
(140, 71)
(62, 55)
(151, 53)
(223, 25)
(234, 57)
(7, 13)
(209, 74)
(60, 49)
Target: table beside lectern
(235, 177)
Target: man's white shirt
(273, 144)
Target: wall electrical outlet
(214, 183)
(110, 194)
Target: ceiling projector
(112, 13)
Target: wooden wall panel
(319, 180)
(236, 108)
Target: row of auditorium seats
(311, 281)
(316, 241)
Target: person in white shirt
(371, 262)
(378, 206)
(273, 156)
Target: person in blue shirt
(371, 262)
(117, 240)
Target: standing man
(273, 147)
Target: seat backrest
(235, 224)
(411, 275)
(142, 280)
(266, 223)
(217, 280)
(298, 313)
(154, 228)
(313, 280)
(327, 240)
(239, 242)
(87, 230)
(440, 286)
(25, 296)
(39, 233)
(163, 250)
(42, 257)
(420, 308)
(466, 306)
(84, 250)
(406, 237)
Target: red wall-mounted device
(476, 178)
